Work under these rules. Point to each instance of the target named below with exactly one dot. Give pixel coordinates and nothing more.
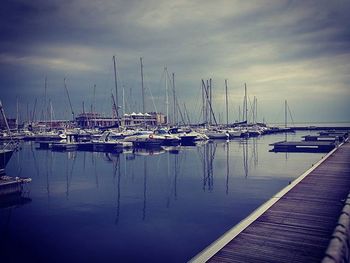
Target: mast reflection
(144, 188)
(117, 172)
(245, 156)
(207, 160)
(227, 165)
(69, 171)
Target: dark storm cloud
(284, 45)
(100, 23)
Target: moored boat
(169, 139)
(11, 185)
(145, 139)
(109, 141)
(186, 136)
(217, 134)
(6, 152)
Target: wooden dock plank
(298, 227)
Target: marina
(174, 131)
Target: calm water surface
(149, 206)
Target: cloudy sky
(293, 50)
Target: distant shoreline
(317, 124)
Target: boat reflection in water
(148, 151)
(129, 206)
(13, 200)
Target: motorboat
(110, 141)
(169, 139)
(217, 134)
(186, 136)
(145, 139)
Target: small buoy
(151, 136)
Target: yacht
(145, 139)
(110, 141)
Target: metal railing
(339, 246)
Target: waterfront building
(90, 120)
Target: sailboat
(145, 139)
(217, 134)
(8, 185)
(6, 149)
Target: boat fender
(151, 136)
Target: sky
(297, 51)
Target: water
(314, 124)
(156, 206)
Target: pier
(304, 146)
(298, 224)
(12, 185)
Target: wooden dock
(323, 138)
(304, 146)
(296, 225)
(12, 185)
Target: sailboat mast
(210, 99)
(203, 105)
(123, 97)
(28, 116)
(45, 106)
(5, 119)
(182, 117)
(116, 86)
(206, 89)
(245, 103)
(226, 103)
(34, 109)
(188, 116)
(50, 114)
(285, 113)
(94, 114)
(254, 110)
(142, 88)
(70, 103)
(239, 112)
(285, 120)
(174, 97)
(114, 107)
(166, 95)
(17, 115)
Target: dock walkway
(296, 225)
